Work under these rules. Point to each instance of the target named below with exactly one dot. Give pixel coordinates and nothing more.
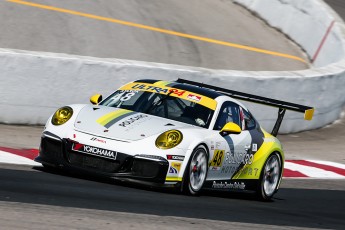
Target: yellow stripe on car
(111, 116)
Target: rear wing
(282, 105)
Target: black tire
(270, 177)
(196, 171)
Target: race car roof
(191, 88)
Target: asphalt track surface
(35, 28)
(31, 198)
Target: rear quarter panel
(271, 144)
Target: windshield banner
(183, 94)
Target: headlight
(62, 115)
(169, 139)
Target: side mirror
(230, 128)
(95, 99)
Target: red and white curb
(18, 156)
(293, 168)
(314, 169)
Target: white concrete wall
(305, 22)
(33, 85)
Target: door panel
(231, 152)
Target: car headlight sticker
(62, 115)
(169, 139)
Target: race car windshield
(161, 105)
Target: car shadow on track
(152, 188)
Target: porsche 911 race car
(176, 134)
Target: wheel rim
(271, 175)
(198, 169)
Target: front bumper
(58, 152)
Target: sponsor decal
(194, 97)
(128, 91)
(215, 168)
(229, 185)
(175, 157)
(172, 170)
(239, 158)
(218, 158)
(94, 151)
(212, 145)
(177, 92)
(98, 140)
(152, 88)
(132, 120)
(175, 167)
(250, 171)
(255, 147)
(160, 90)
(229, 169)
(164, 88)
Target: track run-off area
(203, 33)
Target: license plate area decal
(95, 151)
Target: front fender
(62, 130)
(195, 138)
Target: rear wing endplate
(282, 105)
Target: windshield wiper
(153, 106)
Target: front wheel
(196, 171)
(270, 177)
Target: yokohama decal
(94, 151)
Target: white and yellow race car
(176, 134)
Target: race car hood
(121, 124)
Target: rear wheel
(270, 177)
(196, 171)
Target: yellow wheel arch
(253, 169)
